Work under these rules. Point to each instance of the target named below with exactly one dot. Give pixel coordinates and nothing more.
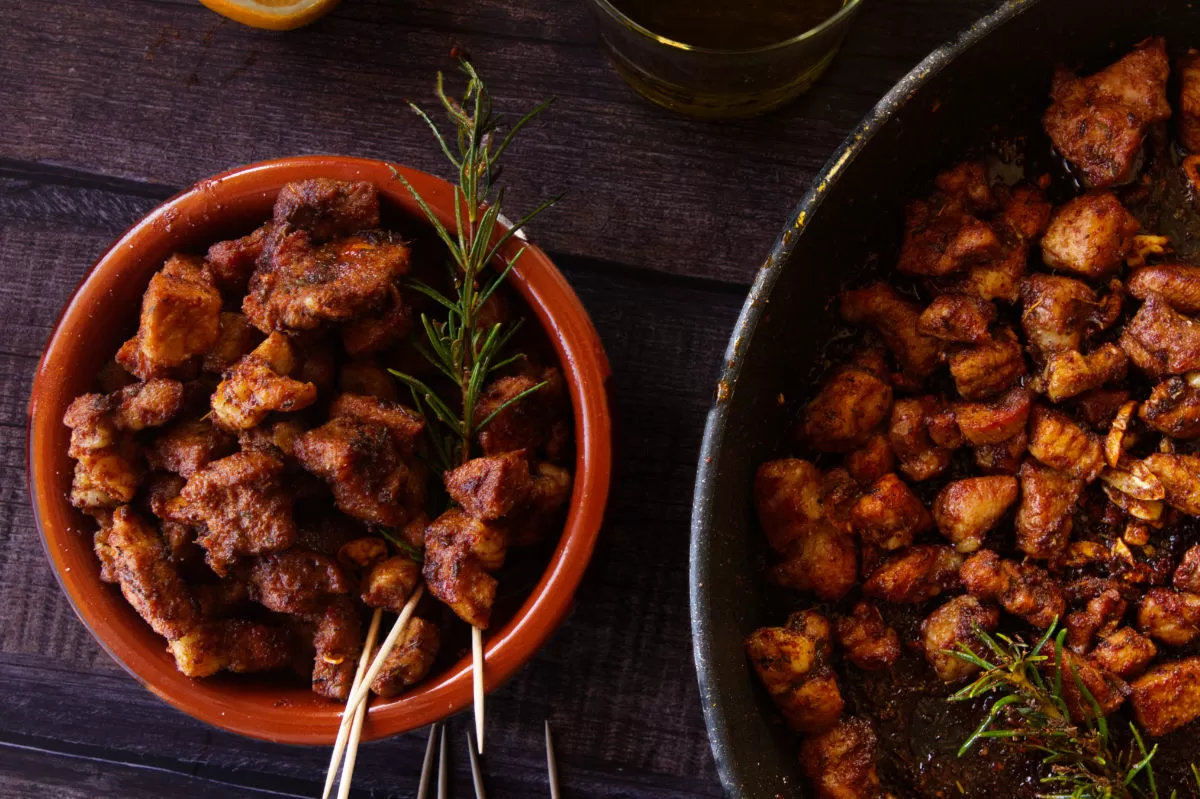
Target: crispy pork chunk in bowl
(229, 478)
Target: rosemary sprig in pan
(459, 347)
(1031, 712)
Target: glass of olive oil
(722, 58)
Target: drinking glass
(714, 83)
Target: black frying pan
(992, 83)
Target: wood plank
(31, 773)
(166, 93)
(616, 680)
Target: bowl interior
(991, 84)
(103, 313)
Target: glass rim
(621, 17)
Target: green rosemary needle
(457, 345)
(1082, 760)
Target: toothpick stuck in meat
(339, 745)
(477, 674)
(359, 694)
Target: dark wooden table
(109, 106)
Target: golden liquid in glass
(728, 24)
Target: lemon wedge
(276, 15)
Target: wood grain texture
(110, 111)
(167, 93)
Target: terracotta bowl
(104, 310)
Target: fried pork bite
(888, 515)
(138, 561)
(108, 466)
(1187, 573)
(1101, 616)
(995, 421)
(951, 627)
(1188, 69)
(873, 460)
(940, 239)
(549, 491)
(1099, 407)
(363, 467)
(1022, 589)
(277, 439)
(1178, 284)
(1105, 692)
(866, 640)
(232, 262)
(965, 510)
(1098, 123)
(792, 663)
(180, 319)
(850, 405)
(1173, 408)
(1089, 236)
(379, 332)
(1167, 696)
(296, 582)
(244, 507)
(492, 486)
(189, 445)
(389, 583)
(1161, 341)
(1180, 478)
(237, 645)
(789, 495)
(403, 425)
(410, 660)
(300, 285)
(365, 378)
(237, 338)
(149, 404)
(1026, 212)
(915, 574)
(990, 367)
(895, 318)
(338, 643)
(965, 185)
(1125, 653)
(822, 560)
(460, 554)
(1069, 372)
(910, 436)
(1044, 518)
(957, 318)
(523, 424)
(259, 384)
(1059, 442)
(1055, 312)
(841, 761)
(327, 208)
(1004, 457)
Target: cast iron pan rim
(720, 733)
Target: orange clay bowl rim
(85, 337)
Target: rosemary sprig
(1083, 760)
(459, 348)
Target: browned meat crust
(866, 640)
(952, 627)
(460, 554)
(841, 761)
(1161, 341)
(243, 505)
(411, 659)
(1098, 122)
(792, 663)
